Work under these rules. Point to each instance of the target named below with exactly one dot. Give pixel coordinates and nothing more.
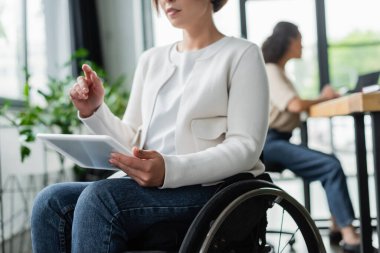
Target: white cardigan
(222, 119)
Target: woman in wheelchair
(197, 114)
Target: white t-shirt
(282, 92)
(161, 131)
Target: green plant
(57, 114)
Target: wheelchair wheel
(212, 222)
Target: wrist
(85, 114)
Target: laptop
(366, 80)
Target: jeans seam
(61, 227)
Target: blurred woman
(285, 44)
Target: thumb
(144, 154)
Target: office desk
(357, 105)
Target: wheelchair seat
(233, 220)
(276, 168)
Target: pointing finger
(87, 71)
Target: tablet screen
(88, 151)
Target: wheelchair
(235, 220)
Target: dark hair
(276, 45)
(216, 4)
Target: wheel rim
(298, 213)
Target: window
(12, 47)
(36, 44)
(227, 21)
(353, 40)
(47, 44)
(262, 16)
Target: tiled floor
(293, 187)
(299, 247)
(320, 210)
(22, 245)
(336, 248)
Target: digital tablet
(88, 151)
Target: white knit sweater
(222, 117)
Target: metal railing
(17, 195)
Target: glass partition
(262, 16)
(12, 60)
(354, 40)
(36, 44)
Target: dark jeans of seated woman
(103, 216)
(312, 165)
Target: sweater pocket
(210, 129)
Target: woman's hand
(328, 93)
(87, 93)
(146, 167)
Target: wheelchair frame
(206, 232)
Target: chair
(275, 168)
(233, 220)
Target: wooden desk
(357, 105)
(354, 103)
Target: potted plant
(57, 114)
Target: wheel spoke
(290, 240)
(282, 221)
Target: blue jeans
(312, 165)
(102, 216)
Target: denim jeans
(312, 165)
(102, 216)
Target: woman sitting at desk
(285, 108)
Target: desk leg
(306, 185)
(2, 238)
(362, 175)
(375, 116)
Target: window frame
(322, 46)
(19, 103)
(322, 43)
